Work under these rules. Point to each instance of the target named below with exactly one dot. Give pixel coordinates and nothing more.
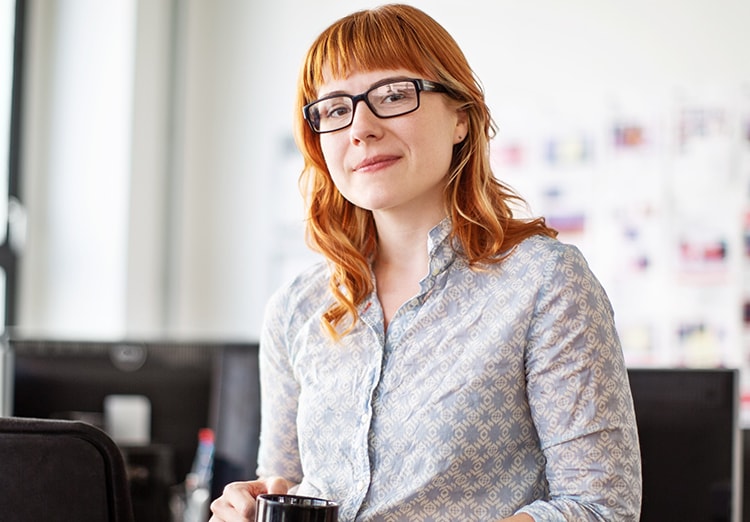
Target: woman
(449, 361)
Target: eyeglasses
(388, 99)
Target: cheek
(332, 153)
(437, 147)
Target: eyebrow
(372, 85)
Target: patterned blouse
(493, 391)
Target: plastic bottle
(203, 463)
(198, 481)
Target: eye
(334, 108)
(394, 94)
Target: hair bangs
(365, 41)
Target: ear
(462, 126)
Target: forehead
(359, 81)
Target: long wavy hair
(480, 207)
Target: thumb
(278, 485)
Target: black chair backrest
(60, 470)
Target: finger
(223, 511)
(237, 502)
(277, 485)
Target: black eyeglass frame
(420, 85)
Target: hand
(237, 503)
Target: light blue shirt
(494, 390)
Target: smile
(375, 163)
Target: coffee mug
(294, 508)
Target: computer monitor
(189, 385)
(236, 416)
(688, 425)
(182, 380)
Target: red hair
(392, 37)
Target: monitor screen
(689, 435)
(236, 416)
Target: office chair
(61, 471)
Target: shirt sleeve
(580, 399)
(278, 453)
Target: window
(11, 214)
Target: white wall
(213, 216)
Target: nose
(365, 125)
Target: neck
(403, 243)
(402, 260)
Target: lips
(375, 163)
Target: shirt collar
(439, 248)
(441, 255)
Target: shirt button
(364, 418)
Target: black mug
(293, 508)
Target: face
(396, 165)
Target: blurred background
(152, 169)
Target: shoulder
(302, 295)
(307, 283)
(546, 247)
(559, 269)
(547, 264)
(543, 254)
